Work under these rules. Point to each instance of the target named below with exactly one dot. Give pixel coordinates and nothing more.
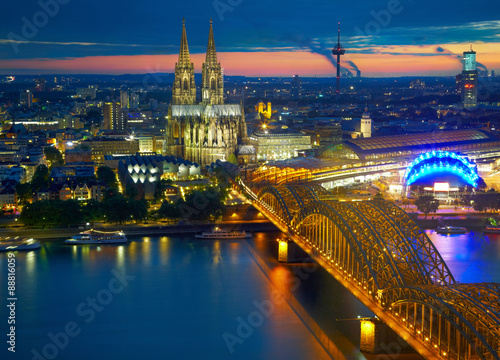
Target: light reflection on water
(471, 257)
(186, 294)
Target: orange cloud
(389, 62)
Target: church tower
(212, 88)
(184, 88)
(366, 124)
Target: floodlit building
(280, 143)
(144, 172)
(207, 131)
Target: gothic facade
(205, 131)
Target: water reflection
(471, 257)
(185, 294)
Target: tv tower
(338, 50)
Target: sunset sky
(253, 38)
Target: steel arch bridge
(381, 255)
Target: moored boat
(492, 229)
(218, 233)
(451, 230)
(98, 237)
(17, 244)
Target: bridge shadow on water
(329, 310)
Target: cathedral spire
(184, 51)
(211, 57)
(212, 83)
(184, 88)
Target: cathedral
(207, 130)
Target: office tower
(134, 101)
(469, 79)
(296, 87)
(124, 99)
(40, 84)
(113, 117)
(26, 98)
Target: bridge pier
(290, 252)
(379, 338)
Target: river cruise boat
(451, 230)
(492, 229)
(16, 244)
(98, 237)
(218, 233)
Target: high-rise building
(124, 99)
(40, 84)
(134, 101)
(26, 98)
(296, 87)
(87, 93)
(469, 79)
(114, 118)
(184, 88)
(458, 84)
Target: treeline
(487, 201)
(203, 204)
(115, 208)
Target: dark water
(188, 297)
(185, 295)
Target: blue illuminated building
(445, 171)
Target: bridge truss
(381, 255)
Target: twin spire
(184, 57)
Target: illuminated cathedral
(205, 131)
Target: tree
(138, 209)
(486, 201)
(93, 211)
(427, 204)
(161, 187)
(168, 210)
(378, 196)
(233, 159)
(24, 192)
(116, 209)
(40, 178)
(107, 175)
(53, 156)
(131, 191)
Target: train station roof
(384, 144)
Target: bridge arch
(273, 199)
(447, 319)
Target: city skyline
(383, 38)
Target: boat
(218, 233)
(492, 229)
(451, 230)
(97, 237)
(16, 244)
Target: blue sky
(152, 27)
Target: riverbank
(133, 230)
